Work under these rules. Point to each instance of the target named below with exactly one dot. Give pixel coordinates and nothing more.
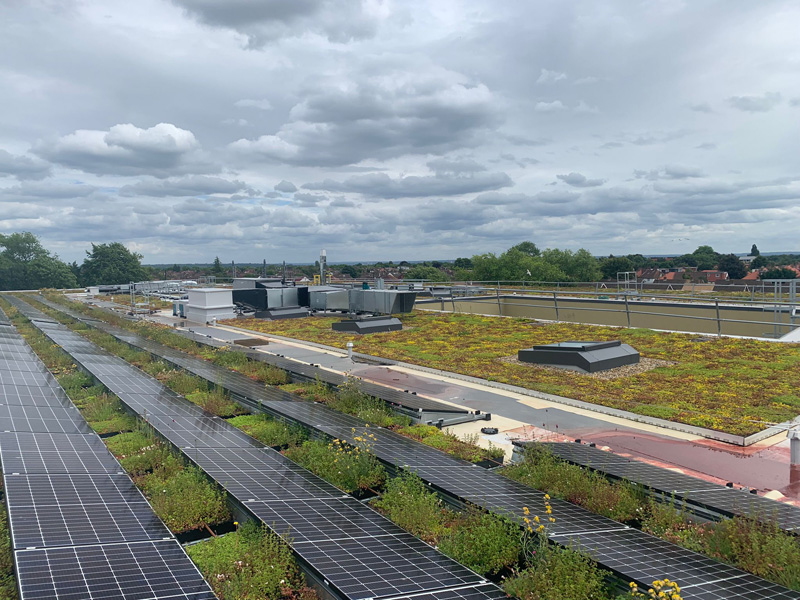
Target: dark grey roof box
(587, 357)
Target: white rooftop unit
(209, 304)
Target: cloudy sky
(399, 129)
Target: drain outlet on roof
(586, 357)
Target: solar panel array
(79, 527)
(352, 548)
(696, 492)
(313, 373)
(628, 552)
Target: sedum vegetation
(724, 384)
(350, 468)
(251, 563)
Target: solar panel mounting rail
(630, 553)
(354, 552)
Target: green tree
(217, 268)
(26, 264)
(426, 272)
(111, 263)
(462, 263)
(734, 267)
(577, 266)
(754, 251)
(759, 262)
(779, 273)
(528, 248)
(350, 270)
(514, 265)
(705, 258)
(616, 264)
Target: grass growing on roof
(250, 563)
(724, 384)
(350, 468)
(464, 448)
(270, 431)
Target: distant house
(713, 276)
(751, 276)
(747, 259)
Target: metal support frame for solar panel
(701, 496)
(75, 518)
(423, 568)
(581, 523)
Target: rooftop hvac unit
(329, 300)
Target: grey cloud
(669, 172)
(342, 203)
(400, 113)
(706, 146)
(609, 145)
(441, 165)
(763, 103)
(586, 80)
(264, 22)
(579, 180)
(287, 218)
(285, 186)
(547, 107)
(303, 199)
(262, 104)
(550, 76)
(520, 140)
(550, 203)
(449, 216)
(23, 167)
(382, 185)
(162, 150)
(45, 191)
(653, 138)
(794, 102)
(703, 107)
(193, 185)
(682, 172)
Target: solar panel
(82, 524)
(287, 482)
(657, 478)
(21, 362)
(737, 502)
(472, 481)
(24, 378)
(136, 571)
(745, 587)
(694, 491)
(486, 591)
(25, 395)
(70, 488)
(645, 558)
(383, 566)
(165, 403)
(196, 432)
(325, 519)
(228, 460)
(50, 442)
(59, 462)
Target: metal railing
(782, 316)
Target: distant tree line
(26, 264)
